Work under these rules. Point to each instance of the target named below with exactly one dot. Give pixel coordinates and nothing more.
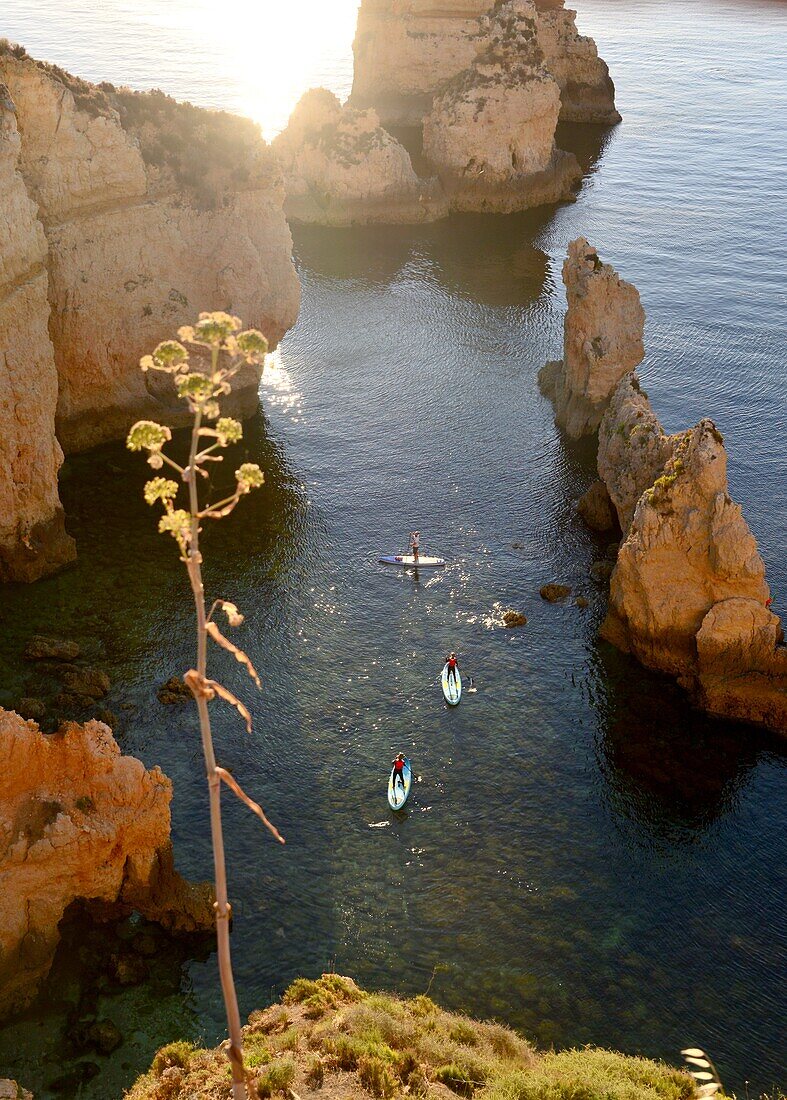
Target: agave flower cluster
(202, 389)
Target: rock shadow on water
(117, 991)
(490, 260)
(670, 769)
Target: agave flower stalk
(211, 433)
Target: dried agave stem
(223, 909)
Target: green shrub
(456, 1078)
(173, 1054)
(592, 1075)
(277, 1077)
(375, 1076)
(315, 1074)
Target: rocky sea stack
(342, 168)
(490, 133)
(406, 51)
(688, 594)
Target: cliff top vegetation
(205, 151)
(331, 1039)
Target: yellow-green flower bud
(214, 328)
(249, 476)
(252, 345)
(160, 488)
(177, 523)
(228, 430)
(147, 435)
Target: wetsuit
(452, 667)
(398, 768)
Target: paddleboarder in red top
(398, 769)
(453, 665)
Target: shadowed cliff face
(148, 212)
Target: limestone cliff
(406, 51)
(342, 168)
(587, 93)
(602, 340)
(152, 211)
(79, 820)
(32, 536)
(490, 132)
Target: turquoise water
(583, 855)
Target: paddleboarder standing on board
(453, 665)
(398, 769)
(415, 542)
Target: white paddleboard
(407, 561)
(399, 792)
(452, 688)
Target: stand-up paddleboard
(399, 792)
(407, 561)
(452, 688)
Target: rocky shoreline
(79, 820)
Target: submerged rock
(51, 649)
(342, 168)
(554, 592)
(79, 820)
(513, 618)
(490, 132)
(602, 341)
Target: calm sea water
(584, 856)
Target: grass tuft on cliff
(330, 1039)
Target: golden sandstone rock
(688, 594)
(406, 51)
(79, 820)
(134, 234)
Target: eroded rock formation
(687, 548)
(602, 340)
(33, 540)
(79, 820)
(490, 134)
(587, 93)
(688, 594)
(342, 168)
(152, 211)
(406, 51)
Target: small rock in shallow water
(69, 701)
(53, 649)
(580, 601)
(87, 681)
(553, 592)
(105, 1036)
(514, 618)
(30, 707)
(10, 1090)
(601, 571)
(174, 691)
(71, 1082)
